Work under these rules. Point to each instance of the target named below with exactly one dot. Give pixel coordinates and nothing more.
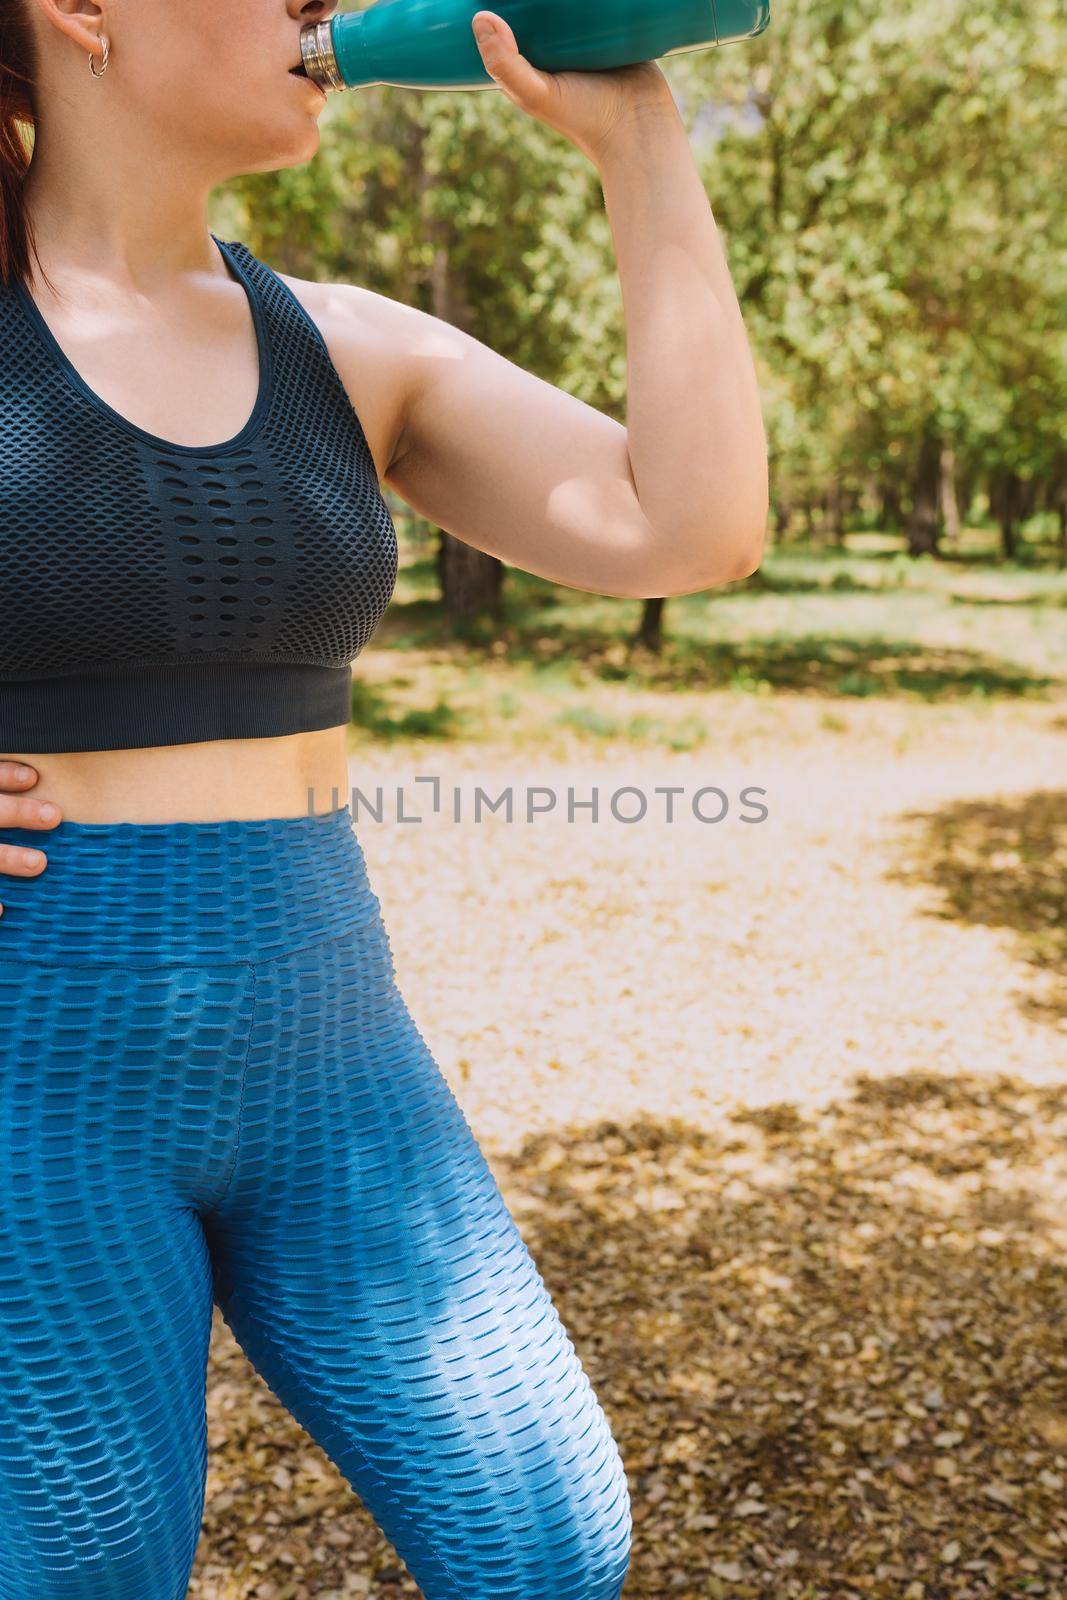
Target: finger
(17, 775)
(16, 861)
(23, 811)
(519, 80)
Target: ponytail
(17, 67)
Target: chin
(310, 144)
(299, 146)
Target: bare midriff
(290, 776)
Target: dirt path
(567, 971)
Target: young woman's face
(208, 78)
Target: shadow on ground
(812, 663)
(830, 1343)
(844, 666)
(1002, 863)
(1000, 589)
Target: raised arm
(674, 502)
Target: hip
(185, 893)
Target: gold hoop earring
(107, 52)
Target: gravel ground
(779, 1109)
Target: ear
(83, 21)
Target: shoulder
(379, 347)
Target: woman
(210, 1085)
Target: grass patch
(866, 622)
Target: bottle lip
(317, 54)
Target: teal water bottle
(429, 44)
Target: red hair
(17, 67)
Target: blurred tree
(889, 181)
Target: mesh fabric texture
(211, 1089)
(155, 593)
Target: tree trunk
(1057, 499)
(471, 582)
(1004, 500)
(809, 519)
(924, 524)
(891, 516)
(967, 478)
(650, 632)
(833, 513)
(852, 504)
(950, 509)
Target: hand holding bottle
(588, 108)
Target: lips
(304, 78)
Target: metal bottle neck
(316, 52)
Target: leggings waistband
(143, 894)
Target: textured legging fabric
(211, 1088)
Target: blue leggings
(212, 1089)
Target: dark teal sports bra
(154, 593)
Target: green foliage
(896, 229)
(889, 186)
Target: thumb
(486, 25)
(503, 62)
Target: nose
(303, 11)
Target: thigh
(105, 1311)
(368, 1265)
